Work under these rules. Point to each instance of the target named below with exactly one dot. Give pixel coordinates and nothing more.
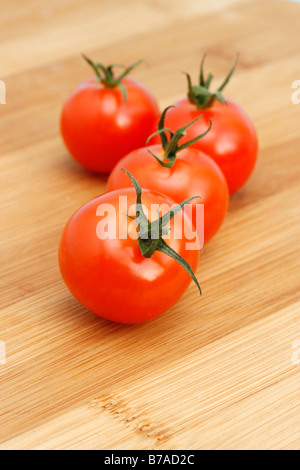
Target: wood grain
(210, 374)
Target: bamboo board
(219, 373)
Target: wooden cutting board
(221, 372)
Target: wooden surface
(215, 373)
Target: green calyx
(106, 75)
(150, 233)
(200, 95)
(171, 145)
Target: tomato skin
(231, 141)
(193, 174)
(111, 277)
(98, 128)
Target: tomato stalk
(171, 146)
(106, 76)
(150, 233)
(200, 95)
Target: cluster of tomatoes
(127, 264)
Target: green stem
(200, 95)
(150, 233)
(171, 145)
(106, 76)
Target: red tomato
(110, 276)
(232, 141)
(191, 173)
(103, 120)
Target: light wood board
(216, 373)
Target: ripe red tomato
(232, 141)
(106, 118)
(110, 276)
(191, 173)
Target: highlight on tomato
(125, 263)
(232, 142)
(176, 169)
(107, 117)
